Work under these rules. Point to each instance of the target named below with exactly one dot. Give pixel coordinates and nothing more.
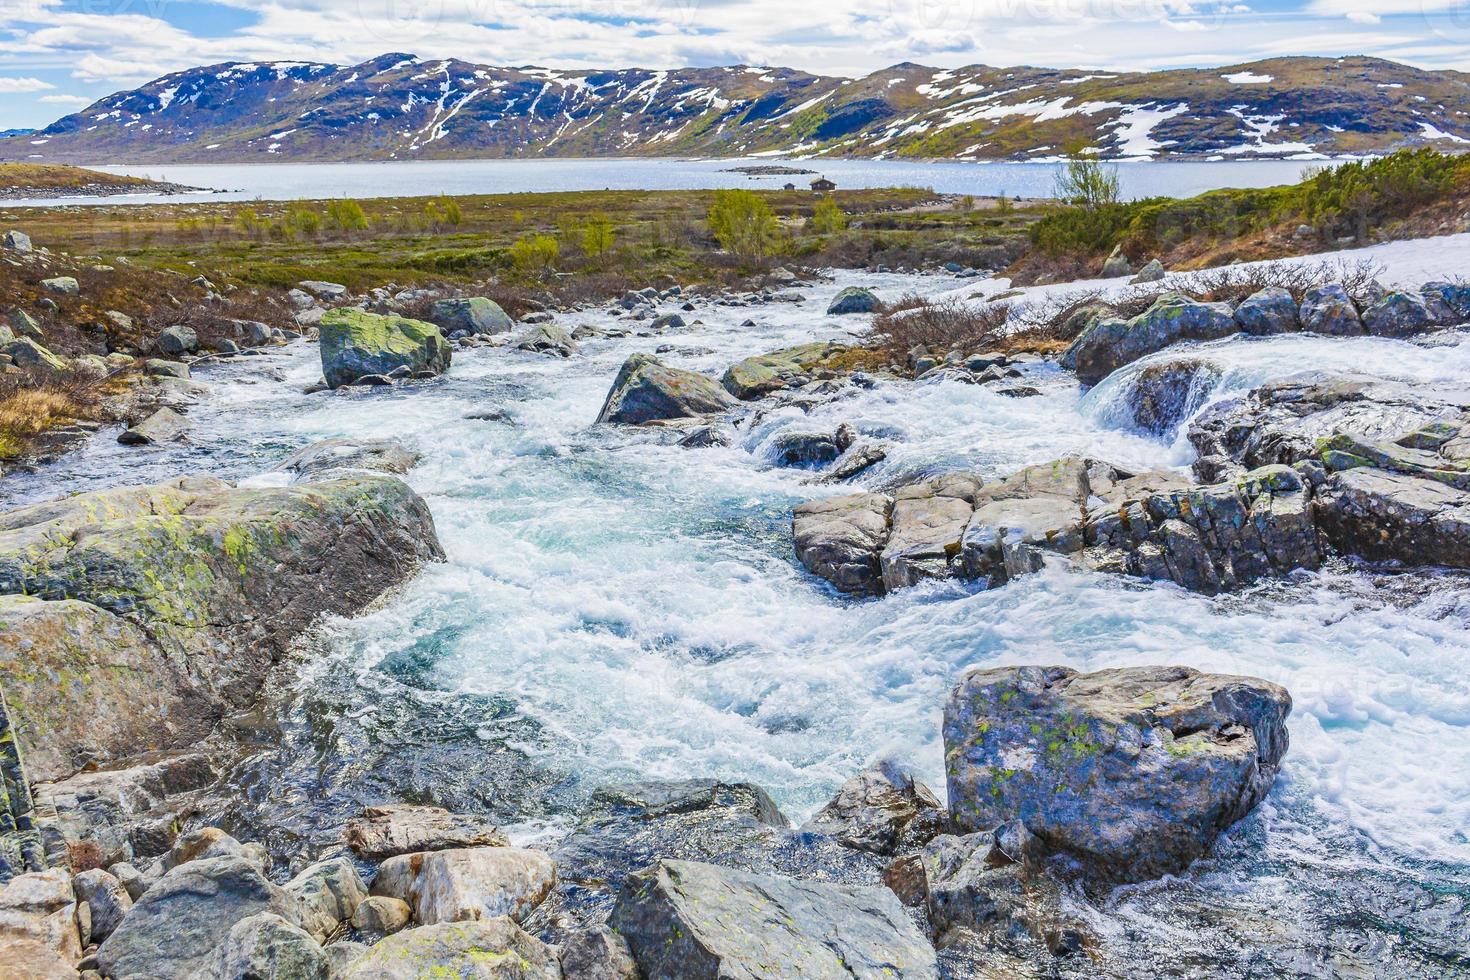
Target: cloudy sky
(57, 56)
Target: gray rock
(840, 539)
(335, 457)
(157, 368)
(164, 425)
(356, 344)
(857, 458)
(927, 522)
(474, 315)
(17, 241)
(468, 883)
(547, 338)
(490, 949)
(26, 326)
(853, 299)
(597, 954)
(267, 947)
(1329, 310)
(1133, 772)
(1038, 509)
(202, 844)
(1163, 395)
(341, 955)
(539, 316)
(802, 449)
(179, 925)
(178, 340)
(1268, 311)
(669, 321)
(703, 922)
(27, 353)
(328, 893)
(1110, 343)
(1386, 516)
(39, 934)
(130, 878)
(647, 390)
(1117, 265)
(62, 286)
(1152, 272)
(381, 915)
(756, 377)
(323, 290)
(1454, 297)
(385, 831)
(1398, 314)
(106, 896)
(883, 810)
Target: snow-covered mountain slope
(401, 107)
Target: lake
(306, 181)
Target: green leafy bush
(534, 254)
(743, 224)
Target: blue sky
(56, 56)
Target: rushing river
(616, 607)
(317, 181)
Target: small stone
(380, 915)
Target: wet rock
(267, 947)
(546, 338)
(1268, 311)
(883, 810)
(328, 893)
(647, 390)
(928, 520)
(856, 459)
(490, 949)
(386, 831)
(702, 922)
(164, 425)
(39, 939)
(1132, 772)
(802, 449)
(356, 344)
(707, 436)
(177, 341)
(106, 897)
(669, 321)
(756, 377)
(473, 315)
(1329, 310)
(1386, 516)
(1398, 314)
(1164, 395)
(1038, 509)
(179, 925)
(1110, 343)
(331, 458)
(470, 883)
(221, 579)
(840, 539)
(853, 299)
(598, 953)
(379, 915)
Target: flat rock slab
(694, 921)
(385, 831)
(1134, 772)
(495, 949)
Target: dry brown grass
(31, 407)
(913, 321)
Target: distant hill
(400, 107)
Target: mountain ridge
(398, 106)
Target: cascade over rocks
(1132, 772)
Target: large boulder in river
(1132, 772)
(356, 344)
(219, 579)
(1268, 311)
(1399, 314)
(489, 949)
(1329, 309)
(925, 531)
(840, 539)
(853, 299)
(471, 315)
(647, 390)
(177, 927)
(1110, 343)
(1387, 516)
(704, 922)
(332, 458)
(763, 374)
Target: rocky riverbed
(622, 659)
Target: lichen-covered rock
(928, 521)
(1133, 772)
(756, 377)
(386, 831)
(330, 458)
(329, 893)
(21, 849)
(597, 954)
(647, 390)
(1328, 309)
(853, 299)
(221, 579)
(179, 924)
(164, 425)
(1398, 314)
(1110, 343)
(356, 344)
(30, 355)
(694, 921)
(840, 539)
(267, 947)
(469, 883)
(39, 939)
(471, 315)
(883, 810)
(490, 949)
(1164, 395)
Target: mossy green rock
(355, 343)
(757, 376)
(647, 390)
(473, 315)
(1112, 342)
(1134, 772)
(199, 586)
(488, 949)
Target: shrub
(938, 326)
(302, 221)
(346, 216)
(597, 235)
(827, 217)
(743, 224)
(1084, 181)
(1081, 229)
(534, 254)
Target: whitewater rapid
(633, 609)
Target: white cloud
(75, 101)
(9, 85)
